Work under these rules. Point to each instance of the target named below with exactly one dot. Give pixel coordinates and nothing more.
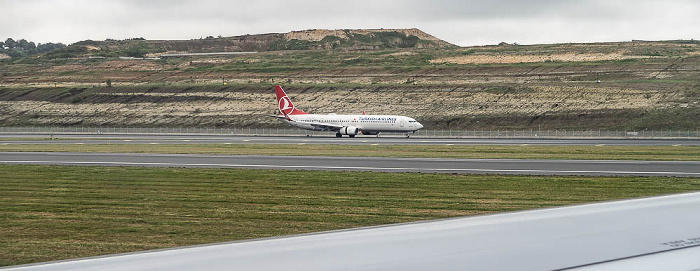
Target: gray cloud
(462, 22)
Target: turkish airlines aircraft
(349, 125)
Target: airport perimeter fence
(425, 133)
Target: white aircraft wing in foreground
(661, 233)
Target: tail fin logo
(286, 106)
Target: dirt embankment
(513, 107)
(319, 34)
(569, 86)
(527, 58)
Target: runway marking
(154, 143)
(600, 145)
(404, 169)
(449, 144)
(187, 140)
(127, 140)
(246, 140)
(228, 143)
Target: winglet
(285, 105)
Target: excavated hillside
(626, 85)
(348, 39)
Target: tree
(23, 47)
(24, 44)
(10, 43)
(45, 47)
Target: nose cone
(419, 126)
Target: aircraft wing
(326, 126)
(660, 233)
(319, 126)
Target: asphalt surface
(378, 164)
(360, 140)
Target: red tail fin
(285, 105)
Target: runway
(8, 139)
(376, 164)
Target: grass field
(668, 153)
(58, 212)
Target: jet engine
(349, 130)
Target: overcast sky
(462, 22)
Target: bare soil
(566, 57)
(570, 86)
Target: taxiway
(8, 139)
(378, 164)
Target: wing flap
(326, 126)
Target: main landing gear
(341, 135)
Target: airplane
(350, 125)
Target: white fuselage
(366, 123)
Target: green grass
(663, 153)
(34, 138)
(58, 212)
